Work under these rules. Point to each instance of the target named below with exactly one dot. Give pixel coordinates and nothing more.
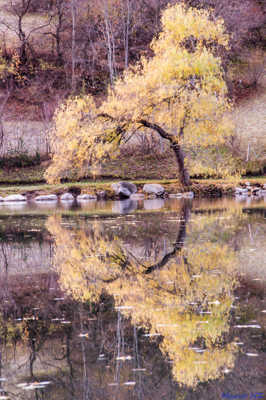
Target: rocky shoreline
(126, 190)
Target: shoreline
(102, 190)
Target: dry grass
(250, 120)
(24, 137)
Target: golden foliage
(181, 89)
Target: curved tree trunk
(180, 158)
(175, 146)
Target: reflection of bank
(184, 295)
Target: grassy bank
(129, 166)
(137, 168)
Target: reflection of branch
(178, 245)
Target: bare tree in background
(110, 41)
(19, 10)
(73, 47)
(126, 26)
(4, 100)
(60, 24)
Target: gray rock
(154, 188)
(239, 190)
(46, 197)
(15, 197)
(67, 197)
(137, 196)
(86, 197)
(124, 189)
(256, 191)
(188, 195)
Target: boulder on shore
(15, 197)
(86, 197)
(124, 189)
(154, 188)
(67, 197)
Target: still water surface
(133, 300)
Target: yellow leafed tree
(180, 93)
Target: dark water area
(138, 300)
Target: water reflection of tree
(27, 331)
(185, 296)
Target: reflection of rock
(13, 205)
(153, 188)
(153, 204)
(68, 204)
(124, 206)
(46, 204)
(48, 197)
(124, 189)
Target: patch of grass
(20, 161)
(250, 120)
(26, 175)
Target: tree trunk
(110, 43)
(175, 146)
(73, 47)
(126, 29)
(180, 158)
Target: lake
(154, 299)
